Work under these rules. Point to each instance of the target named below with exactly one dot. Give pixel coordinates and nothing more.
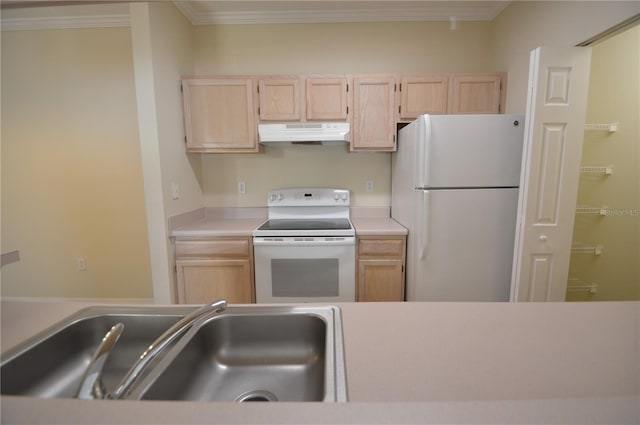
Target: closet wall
(605, 262)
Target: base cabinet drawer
(208, 269)
(193, 248)
(381, 264)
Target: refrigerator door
(462, 246)
(470, 150)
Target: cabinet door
(373, 114)
(475, 93)
(423, 94)
(326, 99)
(381, 268)
(202, 281)
(279, 99)
(219, 115)
(380, 280)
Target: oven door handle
(302, 241)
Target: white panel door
(554, 127)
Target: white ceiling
(201, 12)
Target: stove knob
(336, 196)
(280, 197)
(272, 197)
(343, 196)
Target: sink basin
(245, 353)
(52, 363)
(251, 354)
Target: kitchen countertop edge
(240, 222)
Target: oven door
(304, 269)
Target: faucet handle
(91, 386)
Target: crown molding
(468, 12)
(65, 22)
(436, 11)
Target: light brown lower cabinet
(380, 273)
(214, 268)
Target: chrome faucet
(91, 386)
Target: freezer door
(471, 150)
(462, 247)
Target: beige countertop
(218, 227)
(217, 222)
(377, 226)
(220, 222)
(417, 363)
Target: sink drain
(257, 395)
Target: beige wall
(71, 176)
(289, 166)
(162, 53)
(614, 94)
(525, 25)
(171, 45)
(342, 48)
(325, 48)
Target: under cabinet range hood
(335, 132)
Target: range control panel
(308, 197)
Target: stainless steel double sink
(245, 353)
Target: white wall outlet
(242, 189)
(369, 185)
(82, 264)
(175, 191)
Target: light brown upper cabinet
(279, 99)
(219, 115)
(423, 94)
(327, 99)
(475, 93)
(373, 126)
(221, 112)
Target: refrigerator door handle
(423, 146)
(424, 218)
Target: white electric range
(305, 251)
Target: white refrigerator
(455, 188)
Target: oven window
(304, 277)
